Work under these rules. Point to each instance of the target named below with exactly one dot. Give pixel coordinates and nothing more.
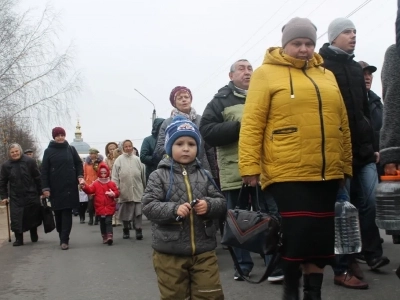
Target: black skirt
(308, 224)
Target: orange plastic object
(391, 177)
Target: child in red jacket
(105, 192)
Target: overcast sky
(155, 45)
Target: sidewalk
(3, 225)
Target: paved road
(90, 270)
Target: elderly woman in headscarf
(181, 99)
(20, 186)
(129, 175)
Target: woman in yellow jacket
(295, 137)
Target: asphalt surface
(91, 270)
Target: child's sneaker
(109, 240)
(104, 236)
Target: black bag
(253, 231)
(48, 218)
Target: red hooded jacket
(104, 205)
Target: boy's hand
(183, 210)
(201, 207)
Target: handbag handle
(255, 202)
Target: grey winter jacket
(195, 234)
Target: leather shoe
(349, 281)
(356, 270)
(377, 263)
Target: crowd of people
(298, 129)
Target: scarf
(337, 50)
(104, 180)
(191, 116)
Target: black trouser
(91, 206)
(106, 224)
(63, 219)
(82, 210)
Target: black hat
(28, 151)
(366, 66)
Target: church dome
(81, 147)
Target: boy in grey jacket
(184, 236)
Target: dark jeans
(266, 202)
(63, 220)
(91, 206)
(82, 209)
(106, 224)
(363, 186)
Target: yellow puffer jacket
(294, 125)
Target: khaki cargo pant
(188, 277)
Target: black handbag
(47, 216)
(253, 231)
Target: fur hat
(175, 91)
(57, 131)
(298, 28)
(337, 26)
(179, 127)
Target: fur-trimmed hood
(99, 159)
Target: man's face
(346, 40)
(30, 154)
(241, 75)
(368, 79)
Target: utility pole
(153, 117)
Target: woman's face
(128, 147)
(15, 153)
(59, 138)
(300, 48)
(183, 102)
(111, 148)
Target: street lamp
(154, 107)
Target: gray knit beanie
(298, 28)
(337, 26)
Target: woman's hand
(183, 210)
(4, 201)
(201, 207)
(46, 194)
(252, 180)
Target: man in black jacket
(220, 127)
(339, 58)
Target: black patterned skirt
(308, 224)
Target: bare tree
(38, 84)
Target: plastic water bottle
(347, 227)
(388, 203)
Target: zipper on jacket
(287, 130)
(321, 119)
(191, 218)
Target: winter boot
(90, 221)
(291, 283)
(312, 286)
(109, 239)
(126, 233)
(104, 236)
(139, 235)
(19, 239)
(96, 220)
(34, 235)
(82, 220)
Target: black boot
(90, 221)
(19, 239)
(96, 220)
(139, 234)
(312, 286)
(34, 235)
(126, 233)
(291, 283)
(398, 272)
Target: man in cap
(29, 152)
(338, 57)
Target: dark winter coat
(390, 133)
(376, 111)
(148, 147)
(20, 183)
(206, 156)
(61, 168)
(196, 234)
(350, 78)
(104, 205)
